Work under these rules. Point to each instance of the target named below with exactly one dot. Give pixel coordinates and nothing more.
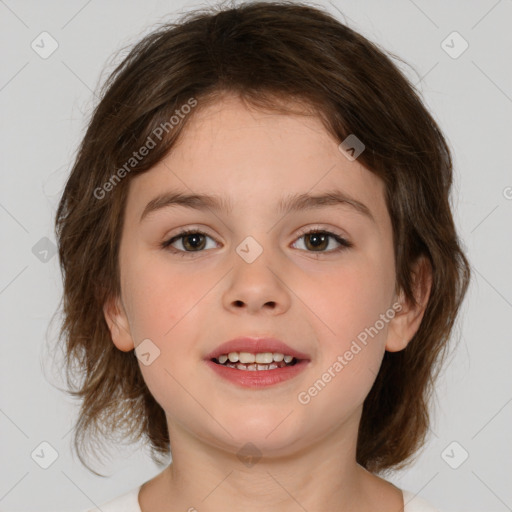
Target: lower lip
(258, 378)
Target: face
(252, 270)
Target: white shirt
(129, 502)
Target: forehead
(250, 158)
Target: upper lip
(254, 346)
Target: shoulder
(414, 503)
(127, 502)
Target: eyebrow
(288, 204)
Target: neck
(323, 476)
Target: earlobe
(407, 320)
(118, 324)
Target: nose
(257, 286)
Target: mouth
(256, 362)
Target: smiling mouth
(247, 361)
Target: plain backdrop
(45, 104)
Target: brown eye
(190, 240)
(318, 241)
(193, 242)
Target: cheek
(351, 348)
(161, 300)
(162, 309)
(351, 299)
(349, 304)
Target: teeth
(246, 357)
(256, 367)
(255, 362)
(249, 358)
(265, 357)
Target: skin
(316, 301)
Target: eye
(318, 240)
(191, 239)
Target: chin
(270, 435)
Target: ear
(407, 320)
(118, 324)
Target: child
(261, 268)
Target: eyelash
(344, 244)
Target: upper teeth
(261, 357)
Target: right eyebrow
(194, 201)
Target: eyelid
(182, 232)
(318, 227)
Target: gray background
(45, 104)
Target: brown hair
(267, 53)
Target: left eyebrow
(288, 204)
(332, 198)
